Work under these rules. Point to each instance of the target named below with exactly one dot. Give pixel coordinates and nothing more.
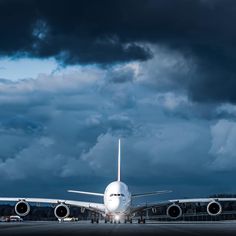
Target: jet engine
(154, 210)
(22, 208)
(62, 211)
(214, 208)
(174, 211)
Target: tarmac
(86, 228)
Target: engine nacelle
(22, 208)
(214, 208)
(62, 211)
(154, 210)
(174, 211)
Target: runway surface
(85, 228)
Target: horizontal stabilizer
(87, 193)
(151, 193)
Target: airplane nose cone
(114, 205)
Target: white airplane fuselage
(117, 199)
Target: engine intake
(22, 208)
(62, 211)
(174, 211)
(214, 208)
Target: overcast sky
(77, 75)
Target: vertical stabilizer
(118, 175)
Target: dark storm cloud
(107, 32)
(78, 32)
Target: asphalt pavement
(85, 228)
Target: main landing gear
(141, 221)
(128, 220)
(95, 219)
(114, 221)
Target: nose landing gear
(119, 219)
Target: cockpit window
(117, 194)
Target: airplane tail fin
(118, 174)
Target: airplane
(117, 203)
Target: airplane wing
(87, 193)
(98, 207)
(177, 202)
(196, 200)
(150, 193)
